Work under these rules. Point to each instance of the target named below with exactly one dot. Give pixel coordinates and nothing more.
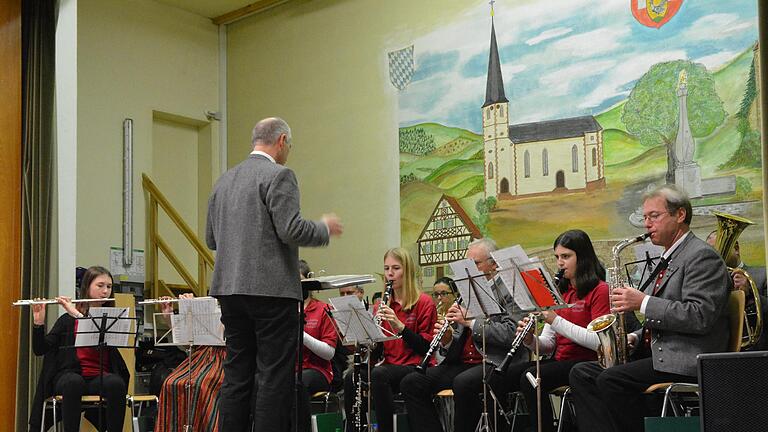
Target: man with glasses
(461, 369)
(685, 309)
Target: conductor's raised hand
(38, 313)
(528, 339)
(333, 222)
(626, 299)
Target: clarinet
(516, 344)
(357, 406)
(527, 329)
(384, 300)
(422, 367)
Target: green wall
(322, 66)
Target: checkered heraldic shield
(401, 67)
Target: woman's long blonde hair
(411, 291)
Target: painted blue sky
(562, 58)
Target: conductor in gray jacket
(685, 311)
(255, 226)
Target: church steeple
(494, 88)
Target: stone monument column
(687, 171)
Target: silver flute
(54, 301)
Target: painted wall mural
(520, 120)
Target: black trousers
(72, 386)
(385, 382)
(312, 382)
(261, 334)
(553, 374)
(612, 399)
(419, 390)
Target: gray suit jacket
(688, 315)
(255, 227)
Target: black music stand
(98, 329)
(356, 326)
(317, 284)
(190, 327)
(540, 289)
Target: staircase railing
(157, 245)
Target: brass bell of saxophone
(729, 228)
(610, 328)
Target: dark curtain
(38, 73)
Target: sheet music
(354, 322)
(198, 322)
(509, 259)
(118, 330)
(478, 300)
(541, 287)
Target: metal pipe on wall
(127, 192)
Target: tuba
(729, 227)
(611, 328)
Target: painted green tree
(651, 111)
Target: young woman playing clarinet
(564, 336)
(408, 313)
(73, 372)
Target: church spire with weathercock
(494, 89)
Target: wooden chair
(677, 394)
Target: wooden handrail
(177, 220)
(158, 245)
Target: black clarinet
(422, 367)
(527, 329)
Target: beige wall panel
(134, 57)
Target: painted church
(541, 158)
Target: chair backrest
(735, 319)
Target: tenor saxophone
(611, 328)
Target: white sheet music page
(508, 260)
(118, 330)
(198, 322)
(479, 299)
(354, 321)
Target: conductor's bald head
(272, 136)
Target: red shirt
(319, 326)
(593, 305)
(420, 319)
(89, 359)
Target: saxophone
(610, 328)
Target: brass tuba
(729, 227)
(611, 328)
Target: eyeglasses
(438, 294)
(654, 216)
(478, 262)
